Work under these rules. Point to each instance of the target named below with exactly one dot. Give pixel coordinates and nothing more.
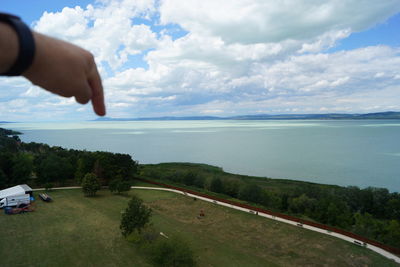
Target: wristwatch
(26, 50)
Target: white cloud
(105, 29)
(70, 22)
(340, 81)
(263, 21)
(301, 82)
(238, 57)
(324, 41)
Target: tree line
(370, 212)
(40, 164)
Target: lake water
(362, 153)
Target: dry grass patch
(263, 239)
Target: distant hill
(330, 116)
(389, 115)
(167, 118)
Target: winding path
(262, 214)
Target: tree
(123, 186)
(365, 225)
(8, 144)
(113, 185)
(135, 217)
(84, 165)
(380, 197)
(302, 204)
(352, 196)
(3, 179)
(90, 185)
(199, 181)
(216, 185)
(393, 208)
(174, 177)
(189, 178)
(119, 186)
(109, 165)
(274, 201)
(53, 168)
(284, 203)
(21, 169)
(98, 170)
(367, 200)
(392, 236)
(251, 192)
(231, 187)
(6, 164)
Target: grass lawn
(79, 231)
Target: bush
(113, 185)
(90, 185)
(135, 217)
(171, 252)
(123, 186)
(118, 186)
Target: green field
(79, 231)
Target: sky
(218, 57)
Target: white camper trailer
(13, 201)
(16, 190)
(15, 195)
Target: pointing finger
(97, 92)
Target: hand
(67, 70)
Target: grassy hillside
(209, 171)
(78, 231)
(370, 212)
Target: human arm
(8, 47)
(59, 67)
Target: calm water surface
(362, 153)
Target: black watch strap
(26, 51)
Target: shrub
(123, 186)
(171, 252)
(90, 185)
(135, 217)
(113, 185)
(118, 186)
